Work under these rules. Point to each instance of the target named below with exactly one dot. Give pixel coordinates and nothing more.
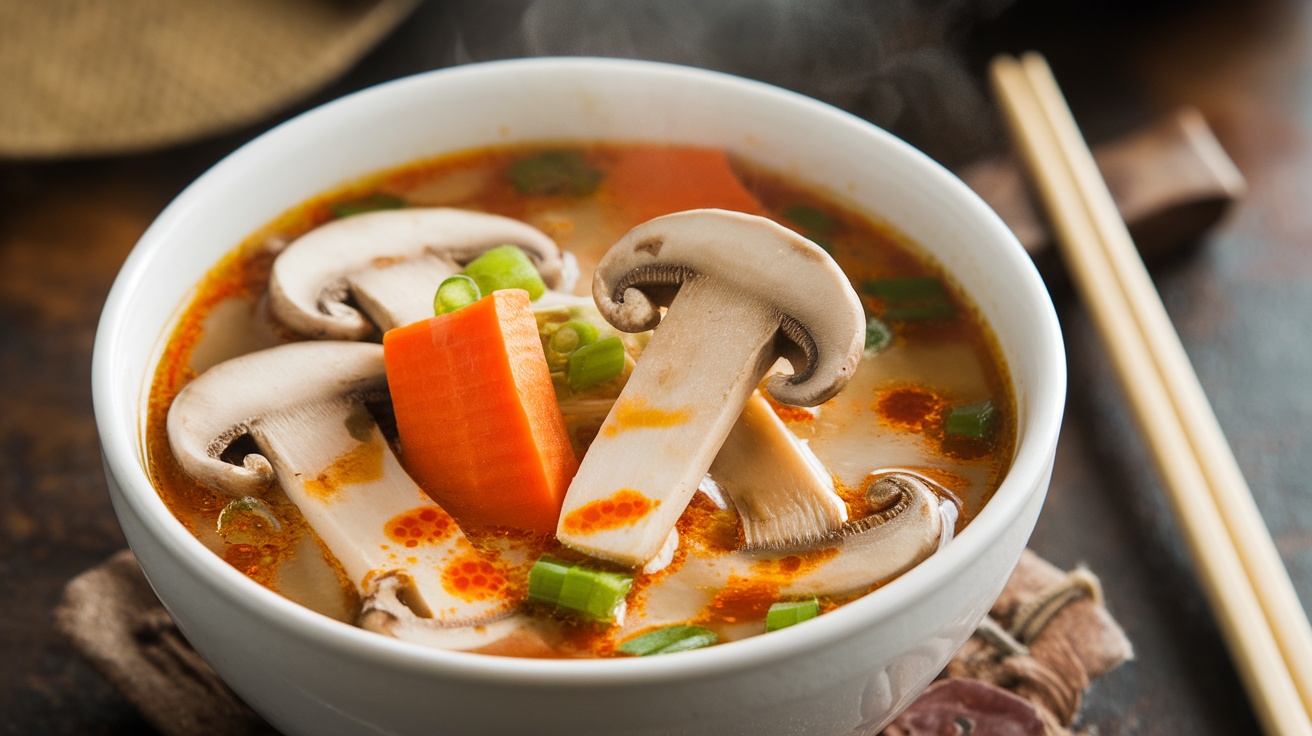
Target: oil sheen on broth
(931, 395)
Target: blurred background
(107, 111)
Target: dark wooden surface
(1239, 299)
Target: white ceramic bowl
(848, 672)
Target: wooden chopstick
(1249, 590)
(1233, 498)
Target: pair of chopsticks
(1251, 596)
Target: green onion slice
(920, 312)
(669, 639)
(595, 363)
(573, 335)
(549, 317)
(455, 292)
(911, 299)
(901, 290)
(878, 336)
(506, 267)
(786, 613)
(975, 421)
(545, 579)
(369, 203)
(555, 172)
(810, 219)
(592, 595)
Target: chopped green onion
(975, 421)
(668, 640)
(506, 267)
(555, 172)
(590, 594)
(878, 336)
(369, 203)
(596, 595)
(814, 223)
(911, 299)
(900, 290)
(786, 613)
(596, 363)
(455, 292)
(550, 316)
(545, 579)
(573, 335)
(550, 321)
(558, 362)
(810, 219)
(921, 312)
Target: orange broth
(290, 560)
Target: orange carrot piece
(479, 425)
(653, 180)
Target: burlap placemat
(84, 77)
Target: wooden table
(1239, 301)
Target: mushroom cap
(822, 324)
(224, 402)
(307, 286)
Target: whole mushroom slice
(741, 291)
(783, 494)
(304, 406)
(914, 519)
(389, 264)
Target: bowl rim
(1027, 475)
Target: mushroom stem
(783, 494)
(400, 293)
(696, 374)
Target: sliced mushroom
(782, 492)
(915, 518)
(388, 263)
(386, 610)
(303, 405)
(741, 291)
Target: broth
(894, 413)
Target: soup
(791, 512)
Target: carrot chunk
(477, 416)
(654, 180)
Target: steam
(894, 62)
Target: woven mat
(82, 77)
